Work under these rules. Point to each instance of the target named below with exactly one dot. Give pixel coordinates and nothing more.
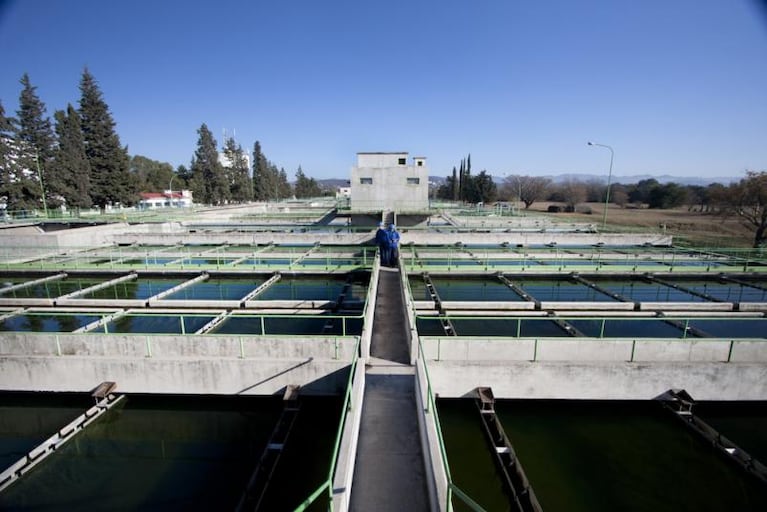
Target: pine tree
(261, 186)
(454, 185)
(206, 167)
(111, 182)
(70, 175)
(35, 139)
(10, 190)
(240, 184)
(285, 189)
(306, 187)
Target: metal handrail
(328, 484)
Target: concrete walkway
(389, 472)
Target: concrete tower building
(385, 181)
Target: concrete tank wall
(173, 364)
(598, 369)
(600, 380)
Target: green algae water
(596, 456)
(176, 453)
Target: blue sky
(675, 87)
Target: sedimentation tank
(250, 361)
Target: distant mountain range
(664, 178)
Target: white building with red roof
(166, 199)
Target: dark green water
(728, 292)
(181, 453)
(527, 328)
(640, 291)
(646, 328)
(600, 456)
(473, 290)
(561, 290)
(27, 419)
(135, 289)
(743, 423)
(158, 324)
(469, 457)
(47, 323)
(732, 328)
(217, 289)
(296, 325)
(52, 289)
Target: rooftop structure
(386, 181)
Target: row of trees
(745, 200)
(462, 186)
(78, 160)
(216, 182)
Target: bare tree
(527, 189)
(574, 193)
(748, 200)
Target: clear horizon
(675, 88)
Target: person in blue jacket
(382, 241)
(393, 245)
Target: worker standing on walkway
(393, 245)
(382, 241)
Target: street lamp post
(609, 177)
(170, 189)
(42, 185)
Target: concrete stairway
(389, 473)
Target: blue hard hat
(380, 224)
(392, 226)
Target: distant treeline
(77, 160)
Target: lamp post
(170, 189)
(609, 177)
(42, 185)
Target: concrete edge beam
(584, 306)
(197, 304)
(26, 302)
(686, 306)
(506, 306)
(106, 304)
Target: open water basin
(564, 290)
(155, 452)
(289, 325)
(633, 328)
(595, 456)
(52, 289)
(158, 323)
(724, 291)
(141, 288)
(48, 322)
(217, 289)
(745, 423)
(464, 289)
(315, 288)
(638, 290)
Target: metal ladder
(267, 464)
(521, 494)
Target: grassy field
(688, 228)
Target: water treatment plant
(262, 358)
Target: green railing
(582, 259)
(101, 326)
(187, 258)
(681, 322)
(326, 488)
(431, 408)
